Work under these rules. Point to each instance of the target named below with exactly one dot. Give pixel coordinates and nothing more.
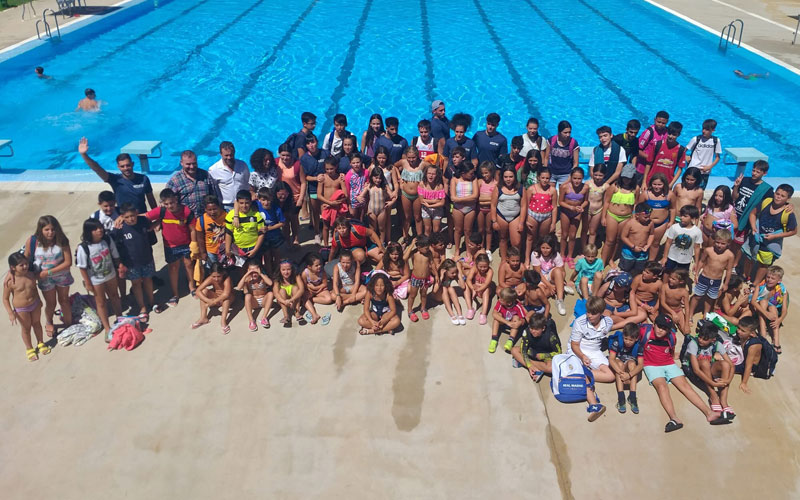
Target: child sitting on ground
(588, 331)
(421, 260)
(753, 349)
(215, 291)
(510, 272)
(616, 292)
(347, 287)
(674, 299)
(19, 288)
(315, 282)
(537, 347)
(394, 265)
(645, 291)
(480, 281)
(449, 279)
(535, 301)
(509, 316)
(734, 305)
(380, 309)
(712, 272)
(770, 304)
(548, 262)
(623, 351)
(656, 352)
(702, 366)
(467, 260)
(637, 237)
(257, 288)
(588, 270)
(288, 290)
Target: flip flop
(673, 426)
(226, 329)
(307, 316)
(720, 421)
(413, 317)
(265, 322)
(777, 349)
(326, 319)
(425, 315)
(173, 302)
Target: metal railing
(47, 30)
(728, 34)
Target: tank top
(290, 176)
(48, 258)
(348, 280)
(425, 149)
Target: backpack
(681, 152)
(769, 359)
(32, 245)
(697, 141)
(569, 379)
(85, 246)
(646, 332)
(766, 202)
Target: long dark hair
(370, 133)
(727, 198)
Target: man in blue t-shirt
(490, 143)
(440, 125)
(460, 139)
(128, 186)
(392, 141)
(313, 163)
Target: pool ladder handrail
(47, 30)
(728, 34)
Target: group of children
(450, 201)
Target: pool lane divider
(609, 84)
(755, 123)
(247, 89)
(427, 48)
(347, 68)
(516, 78)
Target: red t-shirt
(657, 351)
(667, 160)
(510, 312)
(356, 237)
(176, 227)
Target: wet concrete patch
(408, 386)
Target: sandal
(143, 317)
(173, 302)
(777, 349)
(158, 308)
(31, 353)
(265, 322)
(308, 317)
(363, 331)
(253, 326)
(413, 317)
(425, 315)
(326, 319)
(43, 348)
(673, 426)
(226, 329)
(720, 421)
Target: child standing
(657, 348)
(136, 256)
(684, 241)
(573, 201)
(347, 287)
(667, 157)
(177, 228)
(541, 201)
(538, 346)
(588, 270)
(508, 316)
(107, 214)
(688, 191)
(97, 258)
(596, 197)
(623, 351)
(274, 240)
(380, 309)
(771, 224)
(705, 151)
(244, 241)
(354, 182)
(257, 288)
(210, 231)
(378, 201)
(464, 195)
(486, 187)
(659, 199)
(432, 199)
(637, 238)
(215, 291)
(421, 264)
(19, 287)
(480, 281)
(719, 214)
(712, 272)
(332, 198)
(618, 207)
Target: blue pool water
(194, 72)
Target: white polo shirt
(230, 181)
(589, 335)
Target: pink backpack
(126, 336)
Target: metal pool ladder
(728, 34)
(43, 20)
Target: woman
(265, 171)
(562, 154)
(295, 178)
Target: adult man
(191, 184)
(609, 154)
(392, 141)
(128, 186)
(229, 175)
(440, 125)
(532, 140)
(460, 139)
(491, 143)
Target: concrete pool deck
(320, 411)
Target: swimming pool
(193, 73)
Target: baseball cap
(623, 280)
(664, 322)
(436, 104)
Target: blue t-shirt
(274, 215)
(297, 141)
(771, 223)
(312, 167)
(490, 148)
(468, 145)
(586, 270)
(440, 128)
(131, 190)
(396, 145)
(133, 243)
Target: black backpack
(769, 359)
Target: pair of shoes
(595, 411)
(265, 322)
(462, 320)
(621, 407)
(560, 307)
(470, 314)
(482, 319)
(537, 376)
(569, 290)
(634, 405)
(492, 346)
(508, 345)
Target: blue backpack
(569, 379)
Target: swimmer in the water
(40, 73)
(749, 76)
(90, 102)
